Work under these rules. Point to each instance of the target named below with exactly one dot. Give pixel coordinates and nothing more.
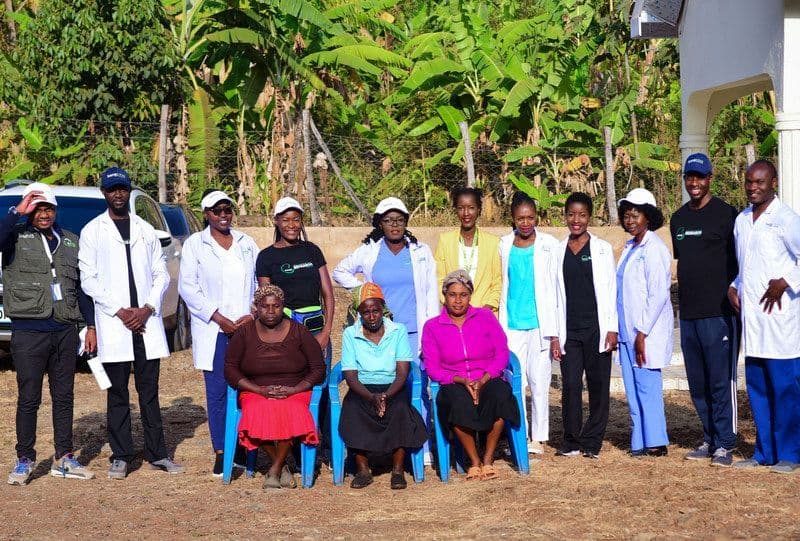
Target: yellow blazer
(488, 276)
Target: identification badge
(56, 288)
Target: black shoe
(217, 465)
(398, 481)
(564, 451)
(361, 480)
(657, 451)
(591, 454)
(637, 453)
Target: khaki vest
(27, 292)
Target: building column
(691, 143)
(788, 126)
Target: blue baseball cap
(697, 163)
(114, 176)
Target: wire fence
(258, 166)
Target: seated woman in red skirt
(466, 350)
(274, 362)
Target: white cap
(639, 196)
(213, 198)
(287, 203)
(391, 203)
(47, 195)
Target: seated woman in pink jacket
(465, 350)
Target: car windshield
(73, 212)
(175, 220)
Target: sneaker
(218, 460)
(591, 454)
(746, 464)
(118, 470)
(167, 465)
(701, 453)
(535, 448)
(68, 467)
(784, 466)
(568, 452)
(723, 458)
(23, 468)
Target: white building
(729, 49)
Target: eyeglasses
(394, 221)
(216, 211)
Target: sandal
(474, 473)
(287, 479)
(361, 480)
(489, 472)
(270, 481)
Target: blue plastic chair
(308, 453)
(515, 434)
(338, 448)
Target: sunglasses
(216, 211)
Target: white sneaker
(68, 467)
(535, 448)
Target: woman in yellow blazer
(477, 252)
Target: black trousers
(36, 354)
(118, 417)
(581, 356)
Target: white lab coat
(104, 277)
(544, 261)
(200, 287)
(426, 286)
(646, 298)
(604, 277)
(769, 249)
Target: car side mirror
(164, 237)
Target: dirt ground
(573, 498)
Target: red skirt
(271, 419)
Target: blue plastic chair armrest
(416, 382)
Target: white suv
(77, 205)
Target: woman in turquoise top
(377, 418)
(528, 307)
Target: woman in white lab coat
(586, 291)
(217, 282)
(645, 321)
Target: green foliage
(92, 60)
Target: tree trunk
(12, 30)
(162, 154)
(311, 190)
(611, 190)
(467, 153)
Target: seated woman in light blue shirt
(377, 418)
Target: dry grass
(615, 497)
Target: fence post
(750, 152)
(611, 190)
(311, 189)
(467, 153)
(162, 154)
(349, 189)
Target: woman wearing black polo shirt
(298, 267)
(587, 313)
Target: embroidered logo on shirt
(586, 258)
(68, 242)
(288, 268)
(682, 233)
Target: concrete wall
(337, 242)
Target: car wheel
(182, 334)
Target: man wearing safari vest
(43, 297)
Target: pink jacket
(480, 346)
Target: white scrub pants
(535, 364)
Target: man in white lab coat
(130, 332)
(766, 292)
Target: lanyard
(49, 253)
(469, 265)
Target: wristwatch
(151, 308)
(13, 210)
